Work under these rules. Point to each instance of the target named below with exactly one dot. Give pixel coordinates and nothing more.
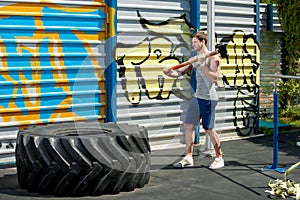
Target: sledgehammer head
(221, 48)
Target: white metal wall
(231, 15)
(264, 17)
(235, 27)
(276, 23)
(143, 91)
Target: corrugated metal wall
(54, 55)
(52, 64)
(268, 13)
(235, 26)
(231, 15)
(271, 56)
(152, 35)
(149, 37)
(276, 24)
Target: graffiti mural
(240, 71)
(140, 67)
(47, 50)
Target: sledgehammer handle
(192, 61)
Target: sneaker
(217, 164)
(185, 162)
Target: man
(204, 102)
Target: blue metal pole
(195, 21)
(275, 134)
(270, 23)
(111, 66)
(257, 21)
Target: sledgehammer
(221, 49)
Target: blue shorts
(201, 109)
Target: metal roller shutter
(53, 59)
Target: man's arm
(178, 72)
(213, 70)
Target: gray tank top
(205, 88)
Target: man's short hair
(201, 36)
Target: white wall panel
(235, 27)
(161, 115)
(230, 16)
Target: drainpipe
(211, 24)
(211, 46)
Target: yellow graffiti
(112, 14)
(79, 8)
(238, 64)
(82, 37)
(6, 116)
(141, 65)
(28, 86)
(174, 26)
(62, 110)
(145, 75)
(55, 49)
(240, 70)
(32, 8)
(36, 9)
(4, 61)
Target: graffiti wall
(54, 55)
(240, 76)
(145, 95)
(141, 64)
(52, 62)
(151, 96)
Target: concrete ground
(243, 177)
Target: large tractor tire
(83, 158)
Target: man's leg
(189, 139)
(219, 161)
(187, 161)
(192, 118)
(215, 141)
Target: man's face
(197, 44)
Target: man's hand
(172, 73)
(166, 71)
(211, 68)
